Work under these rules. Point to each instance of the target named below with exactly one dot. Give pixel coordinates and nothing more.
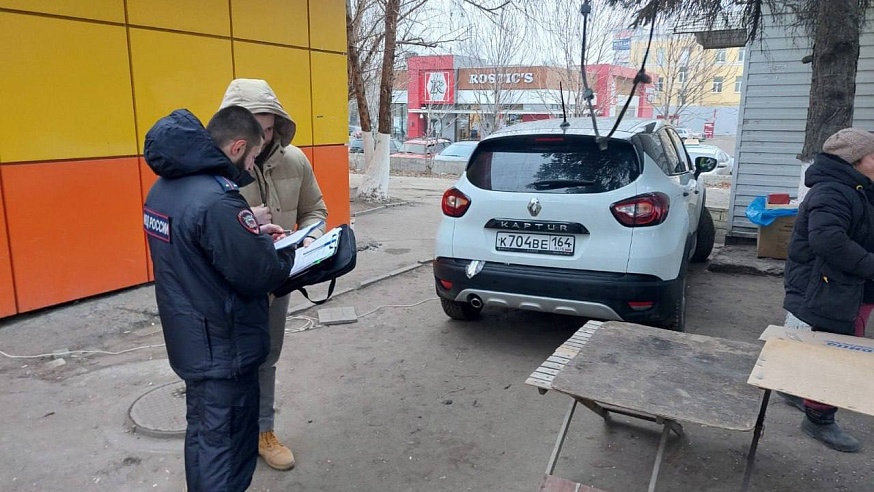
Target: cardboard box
(773, 240)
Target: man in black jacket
(831, 256)
(214, 267)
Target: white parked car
(544, 219)
(685, 133)
(724, 162)
(453, 159)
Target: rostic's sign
(500, 78)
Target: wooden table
(656, 375)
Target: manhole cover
(160, 412)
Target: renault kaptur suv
(547, 217)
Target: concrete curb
(742, 259)
(364, 283)
(377, 209)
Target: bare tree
(834, 26)
(380, 30)
(497, 44)
(376, 150)
(687, 74)
(561, 28)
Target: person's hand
(307, 241)
(262, 214)
(274, 230)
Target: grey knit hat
(850, 144)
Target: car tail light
(445, 284)
(644, 210)
(455, 203)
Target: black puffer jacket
(212, 269)
(830, 254)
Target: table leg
(562, 433)
(596, 408)
(666, 429)
(757, 433)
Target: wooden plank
(835, 375)
(559, 358)
(566, 352)
(551, 483)
(678, 376)
(547, 370)
(539, 383)
(543, 376)
(553, 365)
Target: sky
(548, 31)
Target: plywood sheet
(846, 342)
(678, 376)
(838, 376)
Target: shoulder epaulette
(226, 183)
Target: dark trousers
(221, 442)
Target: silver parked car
(453, 159)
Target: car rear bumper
(597, 295)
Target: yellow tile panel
(172, 71)
(273, 21)
(330, 107)
(105, 10)
(200, 16)
(67, 98)
(287, 70)
(328, 25)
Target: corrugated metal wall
(774, 113)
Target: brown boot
(274, 453)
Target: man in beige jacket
(285, 192)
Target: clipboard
(322, 248)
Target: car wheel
(677, 321)
(706, 236)
(460, 310)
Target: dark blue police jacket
(213, 270)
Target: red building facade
(451, 97)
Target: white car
(543, 219)
(685, 133)
(453, 159)
(724, 162)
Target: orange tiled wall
(75, 112)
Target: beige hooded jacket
(285, 181)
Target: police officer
(214, 267)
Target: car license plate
(524, 242)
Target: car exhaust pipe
(475, 301)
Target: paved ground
(402, 400)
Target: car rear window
(409, 148)
(552, 164)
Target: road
(402, 400)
